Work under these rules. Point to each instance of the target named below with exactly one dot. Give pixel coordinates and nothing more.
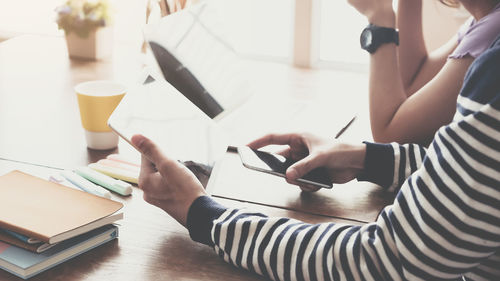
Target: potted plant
(86, 24)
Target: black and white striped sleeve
(389, 165)
(444, 223)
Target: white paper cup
(96, 101)
(101, 140)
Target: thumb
(154, 154)
(304, 166)
(147, 148)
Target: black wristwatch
(374, 36)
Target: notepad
(49, 211)
(14, 239)
(26, 264)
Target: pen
(345, 127)
(116, 173)
(62, 180)
(110, 183)
(85, 185)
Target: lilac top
(474, 37)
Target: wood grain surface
(151, 245)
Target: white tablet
(158, 111)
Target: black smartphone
(276, 165)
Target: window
(340, 28)
(259, 27)
(28, 16)
(38, 17)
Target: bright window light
(259, 27)
(340, 28)
(28, 16)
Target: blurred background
(279, 34)
(261, 28)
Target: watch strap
(385, 34)
(379, 36)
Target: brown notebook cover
(35, 247)
(49, 211)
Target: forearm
(443, 223)
(427, 233)
(412, 52)
(394, 116)
(277, 248)
(386, 92)
(386, 89)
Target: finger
(152, 152)
(272, 139)
(294, 182)
(304, 166)
(149, 182)
(285, 152)
(303, 186)
(147, 167)
(146, 171)
(309, 188)
(147, 148)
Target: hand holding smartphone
(277, 165)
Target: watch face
(366, 39)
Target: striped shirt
(444, 223)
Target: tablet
(158, 111)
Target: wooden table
(151, 245)
(39, 124)
(356, 201)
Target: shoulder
(476, 37)
(481, 82)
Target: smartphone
(276, 165)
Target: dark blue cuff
(379, 164)
(201, 215)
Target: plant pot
(97, 45)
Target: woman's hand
(166, 183)
(378, 12)
(343, 161)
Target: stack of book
(43, 223)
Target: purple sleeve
(475, 37)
